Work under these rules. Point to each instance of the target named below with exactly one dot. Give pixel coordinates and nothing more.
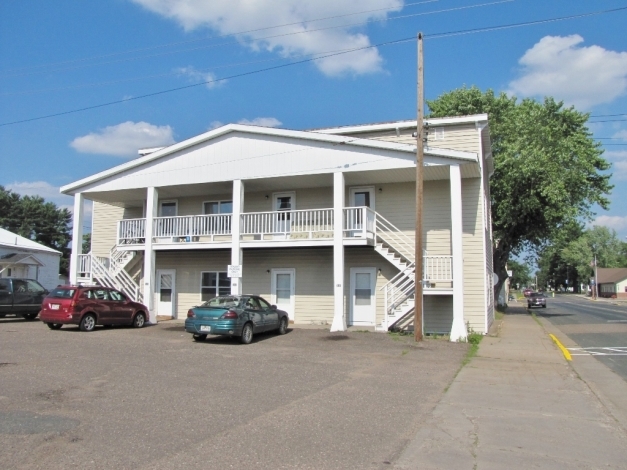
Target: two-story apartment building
(321, 223)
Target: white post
(339, 320)
(152, 206)
(236, 251)
(77, 236)
(458, 329)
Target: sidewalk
(518, 405)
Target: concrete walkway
(519, 405)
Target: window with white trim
(213, 284)
(217, 207)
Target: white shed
(21, 257)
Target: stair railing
(120, 280)
(395, 238)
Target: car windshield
(62, 293)
(537, 294)
(225, 301)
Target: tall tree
(547, 168)
(38, 220)
(521, 273)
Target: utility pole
(420, 157)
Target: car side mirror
(273, 307)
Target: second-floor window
(218, 207)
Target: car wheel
(283, 326)
(139, 320)
(198, 337)
(544, 306)
(247, 333)
(29, 316)
(88, 322)
(528, 305)
(54, 326)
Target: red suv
(88, 306)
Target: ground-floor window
(214, 283)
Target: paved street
(152, 398)
(598, 328)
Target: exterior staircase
(399, 250)
(111, 272)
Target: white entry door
(363, 301)
(283, 281)
(166, 281)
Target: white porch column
(458, 330)
(77, 236)
(236, 229)
(339, 320)
(152, 207)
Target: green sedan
(235, 315)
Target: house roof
(12, 259)
(611, 275)
(459, 156)
(12, 240)
(407, 124)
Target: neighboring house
(612, 282)
(322, 223)
(21, 257)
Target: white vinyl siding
(105, 223)
(438, 314)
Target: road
(598, 327)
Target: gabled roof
(611, 275)
(383, 126)
(264, 131)
(12, 240)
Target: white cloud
(261, 121)
(124, 139)
(199, 76)
(616, 222)
(619, 163)
(621, 135)
(215, 125)
(583, 76)
(235, 16)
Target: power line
(232, 43)
(387, 43)
(609, 120)
(161, 46)
(607, 115)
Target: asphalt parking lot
(153, 398)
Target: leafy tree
(554, 269)
(599, 241)
(547, 168)
(521, 273)
(86, 243)
(40, 221)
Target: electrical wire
(161, 46)
(387, 43)
(234, 43)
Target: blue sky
(70, 54)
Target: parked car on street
(536, 299)
(527, 292)
(88, 306)
(235, 315)
(21, 297)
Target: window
(33, 287)
(217, 207)
(264, 305)
(167, 209)
(117, 296)
(213, 284)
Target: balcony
(313, 226)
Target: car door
(255, 314)
(99, 303)
(121, 309)
(6, 297)
(271, 316)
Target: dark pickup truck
(21, 297)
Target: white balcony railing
(296, 224)
(132, 232)
(192, 227)
(310, 224)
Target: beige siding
(474, 255)
(438, 314)
(188, 266)
(462, 137)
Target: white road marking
(599, 351)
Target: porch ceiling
(136, 197)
